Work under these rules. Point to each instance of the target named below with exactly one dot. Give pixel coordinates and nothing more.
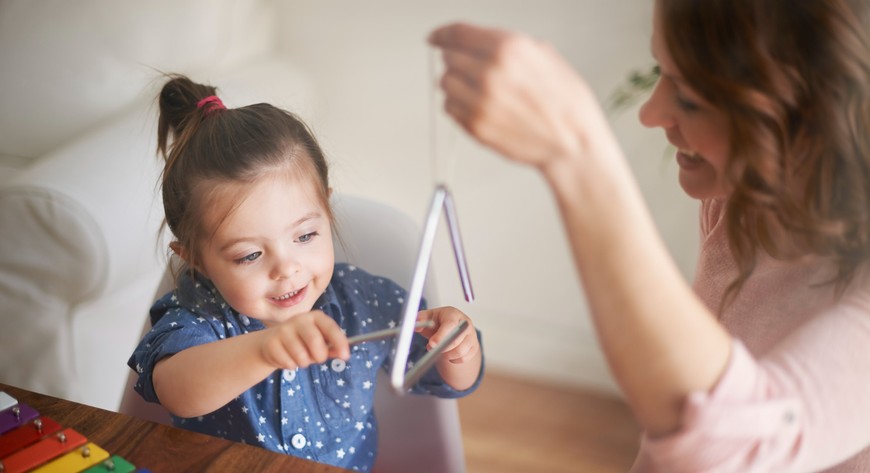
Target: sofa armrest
(76, 225)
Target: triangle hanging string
(441, 154)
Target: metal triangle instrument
(400, 379)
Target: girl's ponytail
(181, 112)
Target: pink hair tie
(210, 104)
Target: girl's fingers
(297, 350)
(461, 353)
(334, 339)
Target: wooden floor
(516, 426)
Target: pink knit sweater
(795, 396)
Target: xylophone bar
(29, 442)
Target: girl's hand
(303, 340)
(465, 347)
(515, 93)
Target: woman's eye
(307, 237)
(249, 258)
(686, 105)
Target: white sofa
(79, 207)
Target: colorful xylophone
(31, 442)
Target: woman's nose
(655, 112)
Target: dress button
(245, 320)
(338, 365)
(289, 375)
(298, 441)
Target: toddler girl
(252, 344)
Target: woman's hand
(303, 340)
(465, 347)
(515, 94)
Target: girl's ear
(180, 251)
(184, 254)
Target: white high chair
(420, 434)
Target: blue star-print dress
(324, 412)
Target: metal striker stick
(399, 378)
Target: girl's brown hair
(208, 144)
(794, 79)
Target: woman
(763, 363)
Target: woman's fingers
(473, 39)
(513, 93)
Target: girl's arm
(460, 362)
(519, 97)
(201, 379)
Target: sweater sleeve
(803, 406)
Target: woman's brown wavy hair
(793, 76)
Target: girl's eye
(249, 258)
(307, 237)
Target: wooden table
(161, 448)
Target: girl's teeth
(287, 296)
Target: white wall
(372, 112)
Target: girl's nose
(284, 268)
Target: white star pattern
(262, 420)
(261, 438)
(318, 444)
(284, 421)
(359, 426)
(367, 384)
(340, 453)
(339, 382)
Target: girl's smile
(291, 298)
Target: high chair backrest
(416, 433)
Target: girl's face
(272, 256)
(696, 129)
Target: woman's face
(696, 129)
